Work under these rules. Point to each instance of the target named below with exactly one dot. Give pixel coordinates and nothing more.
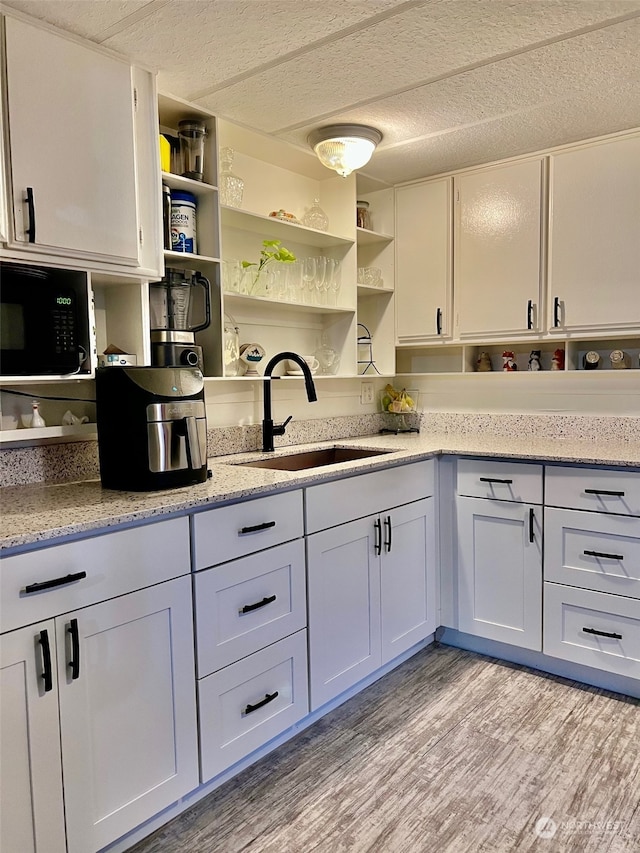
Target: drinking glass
(333, 278)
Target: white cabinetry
(72, 150)
(499, 554)
(87, 678)
(592, 568)
(594, 251)
(497, 263)
(251, 626)
(423, 261)
(371, 580)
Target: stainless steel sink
(314, 458)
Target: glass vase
(231, 186)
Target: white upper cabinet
(594, 247)
(423, 261)
(72, 148)
(498, 229)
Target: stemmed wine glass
(308, 277)
(321, 272)
(333, 278)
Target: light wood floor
(450, 753)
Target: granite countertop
(38, 513)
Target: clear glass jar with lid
(231, 186)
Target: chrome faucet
(269, 429)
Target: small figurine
(591, 360)
(251, 355)
(483, 362)
(509, 361)
(557, 362)
(36, 418)
(534, 360)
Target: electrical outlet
(366, 393)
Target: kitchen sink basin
(314, 458)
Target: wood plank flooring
(451, 752)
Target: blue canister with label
(183, 222)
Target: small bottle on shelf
(36, 418)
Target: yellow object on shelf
(165, 154)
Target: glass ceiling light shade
(344, 147)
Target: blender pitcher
(173, 327)
(192, 134)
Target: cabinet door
(128, 718)
(72, 144)
(594, 250)
(31, 808)
(343, 582)
(497, 250)
(423, 261)
(500, 571)
(408, 577)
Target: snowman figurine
(534, 360)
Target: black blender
(171, 303)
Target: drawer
(249, 603)
(114, 564)
(246, 704)
(339, 501)
(593, 489)
(504, 481)
(591, 550)
(592, 628)
(233, 531)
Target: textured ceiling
(450, 83)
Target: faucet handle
(279, 429)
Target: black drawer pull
(602, 554)
(604, 492)
(377, 547)
(268, 698)
(255, 528)
(39, 587)
(74, 663)
(611, 634)
(249, 607)
(495, 480)
(47, 672)
(532, 518)
(31, 210)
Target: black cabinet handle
(268, 698)
(249, 607)
(387, 526)
(39, 587)
(377, 548)
(256, 528)
(31, 212)
(495, 480)
(604, 492)
(556, 311)
(47, 672)
(74, 663)
(601, 554)
(532, 519)
(611, 634)
(530, 314)
(439, 321)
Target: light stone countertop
(35, 514)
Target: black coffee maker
(152, 427)
(173, 328)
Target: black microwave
(44, 321)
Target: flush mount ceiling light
(344, 147)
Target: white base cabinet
(371, 581)
(31, 805)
